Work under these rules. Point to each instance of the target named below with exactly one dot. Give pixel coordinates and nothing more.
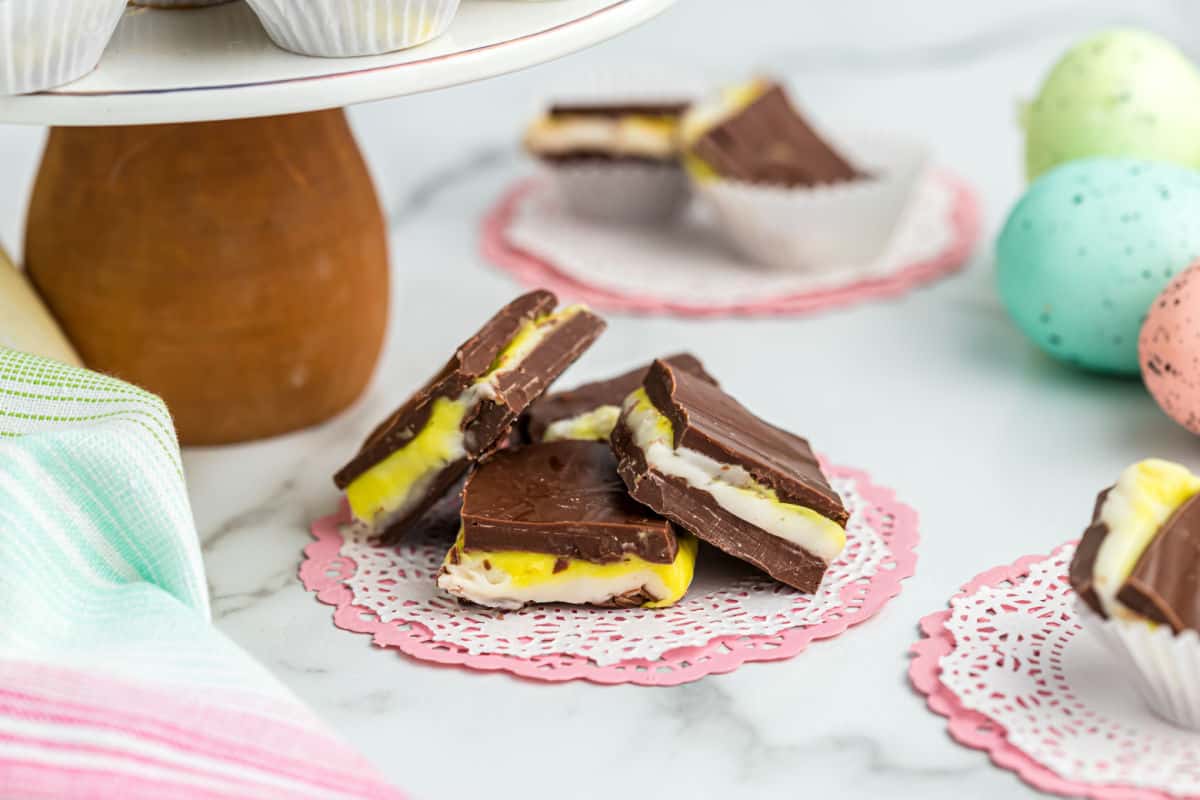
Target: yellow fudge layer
(595, 425)
(632, 135)
(383, 489)
(511, 579)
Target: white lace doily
(727, 598)
(1021, 659)
(692, 263)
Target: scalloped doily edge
(533, 271)
(721, 655)
(979, 732)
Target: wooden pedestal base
(238, 269)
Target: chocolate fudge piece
(552, 522)
(464, 412)
(698, 457)
(672, 109)
(1081, 570)
(1164, 587)
(563, 499)
(769, 142)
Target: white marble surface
(999, 449)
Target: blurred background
(937, 394)
(854, 59)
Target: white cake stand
(203, 224)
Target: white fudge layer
(731, 486)
(620, 136)
(471, 580)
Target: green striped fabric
(96, 463)
(113, 681)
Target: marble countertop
(936, 394)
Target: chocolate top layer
(699, 512)
(1084, 562)
(1165, 584)
(471, 361)
(598, 157)
(563, 499)
(589, 396)
(647, 109)
(709, 421)
(769, 142)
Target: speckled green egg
(1121, 93)
(1088, 248)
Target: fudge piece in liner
(1140, 557)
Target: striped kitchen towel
(113, 681)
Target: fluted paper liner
(338, 28)
(178, 3)
(622, 192)
(47, 43)
(1163, 665)
(826, 227)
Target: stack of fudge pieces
(595, 495)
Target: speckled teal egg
(1122, 93)
(1088, 248)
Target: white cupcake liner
(338, 28)
(178, 3)
(46, 43)
(1164, 667)
(626, 193)
(823, 228)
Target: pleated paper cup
(338, 28)
(622, 193)
(821, 228)
(179, 3)
(1163, 665)
(47, 43)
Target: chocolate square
(489, 425)
(563, 499)
(769, 142)
(707, 420)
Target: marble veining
(705, 705)
(935, 394)
(256, 515)
(446, 179)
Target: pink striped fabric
(114, 684)
(65, 733)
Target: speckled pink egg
(1169, 349)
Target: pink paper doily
(1092, 736)
(422, 623)
(960, 231)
